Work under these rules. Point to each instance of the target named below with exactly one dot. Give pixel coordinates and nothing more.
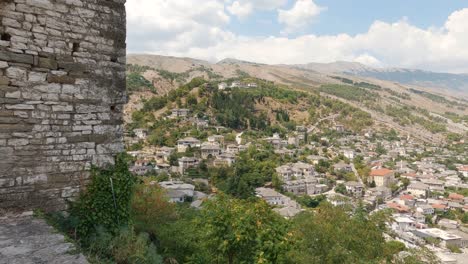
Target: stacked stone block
(62, 91)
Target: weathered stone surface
(26, 240)
(16, 73)
(4, 80)
(52, 78)
(14, 57)
(47, 63)
(37, 77)
(61, 70)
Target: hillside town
(233, 131)
(423, 185)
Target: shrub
(151, 207)
(106, 202)
(125, 247)
(454, 249)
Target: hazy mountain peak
(334, 67)
(234, 61)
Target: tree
(340, 188)
(311, 202)
(380, 149)
(332, 235)
(191, 100)
(173, 159)
(405, 182)
(151, 207)
(243, 231)
(465, 218)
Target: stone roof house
(209, 149)
(183, 144)
(418, 189)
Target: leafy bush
(332, 235)
(151, 207)
(97, 207)
(242, 231)
(126, 246)
(154, 104)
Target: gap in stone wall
(5, 37)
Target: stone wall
(62, 91)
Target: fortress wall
(62, 91)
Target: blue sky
(354, 16)
(424, 34)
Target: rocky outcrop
(62, 91)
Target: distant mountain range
(447, 81)
(384, 93)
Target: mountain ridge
(391, 102)
(457, 82)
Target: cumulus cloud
(299, 16)
(173, 25)
(241, 10)
(244, 8)
(198, 29)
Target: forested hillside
(416, 111)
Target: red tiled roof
(398, 207)
(456, 196)
(439, 206)
(380, 172)
(406, 197)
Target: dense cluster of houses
(301, 179)
(415, 189)
(420, 221)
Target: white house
(175, 113)
(349, 153)
(285, 206)
(178, 191)
(236, 84)
(183, 144)
(463, 170)
(418, 189)
(209, 149)
(225, 159)
(186, 163)
(222, 86)
(141, 133)
(354, 188)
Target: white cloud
(166, 26)
(241, 10)
(299, 16)
(189, 28)
(244, 8)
